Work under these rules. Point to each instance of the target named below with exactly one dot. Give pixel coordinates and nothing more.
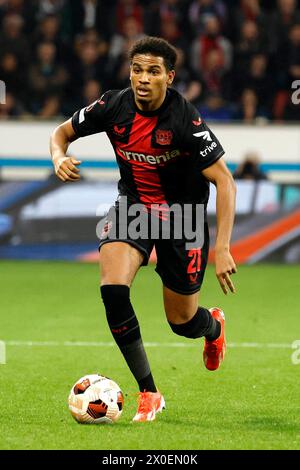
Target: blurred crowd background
(237, 59)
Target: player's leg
(187, 319)
(182, 272)
(119, 263)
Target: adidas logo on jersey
(153, 160)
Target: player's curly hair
(156, 46)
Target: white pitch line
(147, 344)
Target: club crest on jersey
(163, 137)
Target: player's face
(149, 81)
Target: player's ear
(171, 76)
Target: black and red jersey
(161, 153)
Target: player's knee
(176, 322)
(195, 327)
(175, 315)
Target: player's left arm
(221, 177)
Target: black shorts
(181, 269)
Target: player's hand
(225, 267)
(66, 168)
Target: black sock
(126, 332)
(147, 384)
(202, 324)
(135, 356)
(215, 331)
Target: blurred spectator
(291, 111)
(187, 81)
(249, 169)
(193, 93)
(121, 77)
(25, 9)
(211, 40)
(92, 36)
(128, 9)
(236, 57)
(247, 10)
(294, 53)
(248, 110)
(130, 32)
(118, 67)
(170, 31)
(91, 14)
(90, 62)
(249, 44)
(91, 92)
(170, 10)
(215, 109)
(46, 77)
(50, 7)
(281, 48)
(12, 38)
(13, 75)
(12, 107)
(201, 10)
(51, 107)
(281, 20)
(159, 13)
(48, 30)
(213, 74)
(258, 79)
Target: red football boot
(214, 351)
(149, 404)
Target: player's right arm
(86, 121)
(65, 167)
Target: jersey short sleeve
(203, 145)
(93, 118)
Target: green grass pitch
(251, 402)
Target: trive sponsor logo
(208, 149)
(152, 159)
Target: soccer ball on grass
(96, 399)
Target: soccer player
(166, 154)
